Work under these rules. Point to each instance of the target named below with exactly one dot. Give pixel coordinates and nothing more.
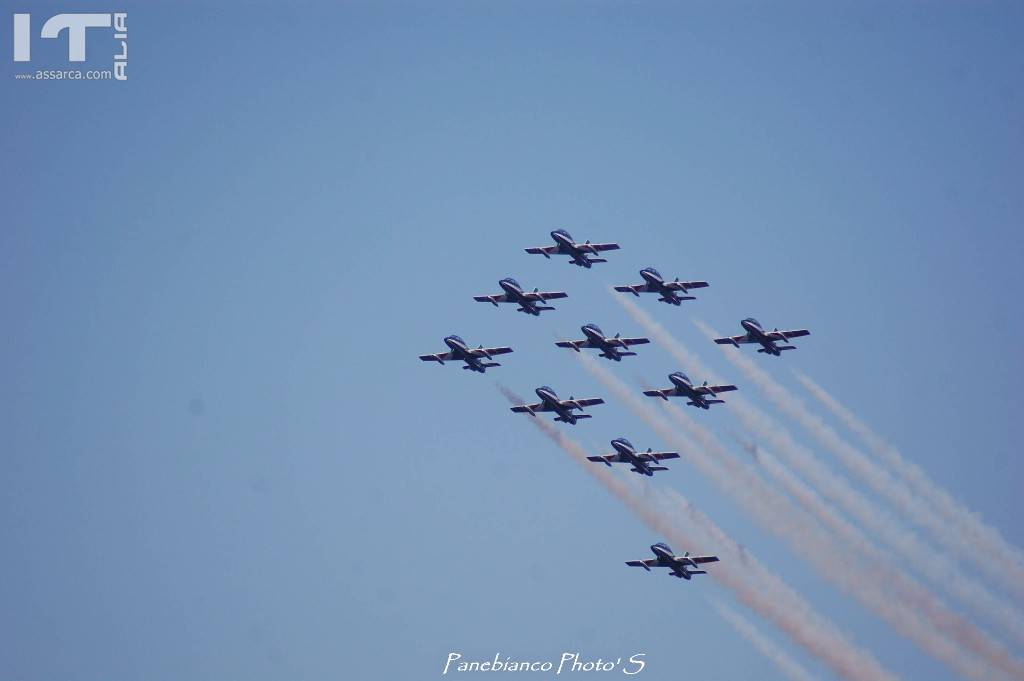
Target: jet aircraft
(563, 408)
(755, 333)
(697, 395)
(680, 565)
(473, 357)
(625, 452)
(655, 283)
(609, 347)
(527, 300)
(579, 254)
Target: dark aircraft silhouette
(755, 333)
(678, 564)
(609, 347)
(625, 452)
(578, 253)
(696, 394)
(549, 402)
(655, 283)
(527, 300)
(473, 357)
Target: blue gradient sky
(222, 459)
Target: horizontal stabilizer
(483, 365)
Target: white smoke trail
(993, 550)
(753, 585)
(895, 597)
(792, 669)
(968, 590)
(938, 617)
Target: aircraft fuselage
(515, 294)
(656, 284)
(550, 399)
(597, 340)
(757, 334)
(667, 558)
(461, 351)
(627, 452)
(567, 246)
(685, 389)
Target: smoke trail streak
(880, 481)
(789, 667)
(995, 551)
(938, 617)
(966, 589)
(753, 585)
(895, 597)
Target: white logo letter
(76, 25)
(22, 37)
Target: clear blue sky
(222, 459)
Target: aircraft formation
(614, 348)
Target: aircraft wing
(495, 299)
(735, 340)
(607, 458)
(645, 564)
(663, 393)
(703, 559)
(714, 389)
(526, 408)
(630, 341)
(635, 289)
(544, 295)
(546, 251)
(786, 335)
(586, 402)
(684, 285)
(658, 456)
(597, 248)
(575, 345)
(439, 357)
(483, 352)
